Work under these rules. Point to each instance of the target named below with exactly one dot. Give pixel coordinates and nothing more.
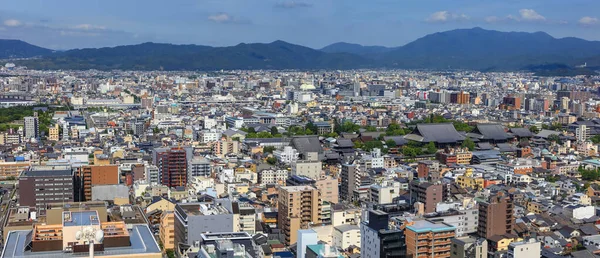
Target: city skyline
(75, 24)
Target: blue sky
(66, 24)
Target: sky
(68, 24)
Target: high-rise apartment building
(348, 185)
(167, 230)
(31, 127)
(298, 206)
(495, 216)
(172, 167)
(427, 193)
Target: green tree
(595, 139)
(371, 128)
(390, 143)
(430, 148)
(272, 160)
(468, 143)
(274, 130)
(312, 127)
(268, 149)
(534, 129)
(554, 138)
(251, 130)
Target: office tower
(172, 167)
(495, 216)
(299, 207)
(31, 127)
(89, 176)
(378, 240)
(41, 185)
(428, 239)
(427, 193)
(467, 247)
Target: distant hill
(487, 49)
(474, 49)
(10, 48)
(343, 47)
(153, 56)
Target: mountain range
(473, 49)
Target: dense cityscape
(315, 163)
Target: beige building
(12, 169)
(329, 189)
(167, 230)
(54, 133)
(346, 235)
(299, 207)
(308, 168)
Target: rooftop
(141, 239)
(420, 226)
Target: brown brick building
(89, 176)
(495, 216)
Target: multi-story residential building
(54, 133)
(12, 169)
(172, 167)
(209, 136)
(582, 133)
(199, 167)
(328, 187)
(427, 193)
(31, 127)
(346, 235)
(167, 230)
(428, 239)
(41, 185)
(518, 166)
(272, 176)
(224, 147)
(152, 174)
(378, 240)
(495, 216)
(90, 176)
(467, 247)
(464, 221)
(286, 155)
(238, 239)
(348, 184)
(299, 206)
(531, 248)
(194, 219)
(308, 168)
(385, 192)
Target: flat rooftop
(425, 226)
(48, 171)
(80, 218)
(141, 238)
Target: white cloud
(292, 4)
(12, 23)
(220, 18)
(446, 16)
(531, 15)
(86, 26)
(588, 21)
(492, 19)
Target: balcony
(422, 243)
(444, 235)
(423, 250)
(441, 249)
(443, 242)
(423, 236)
